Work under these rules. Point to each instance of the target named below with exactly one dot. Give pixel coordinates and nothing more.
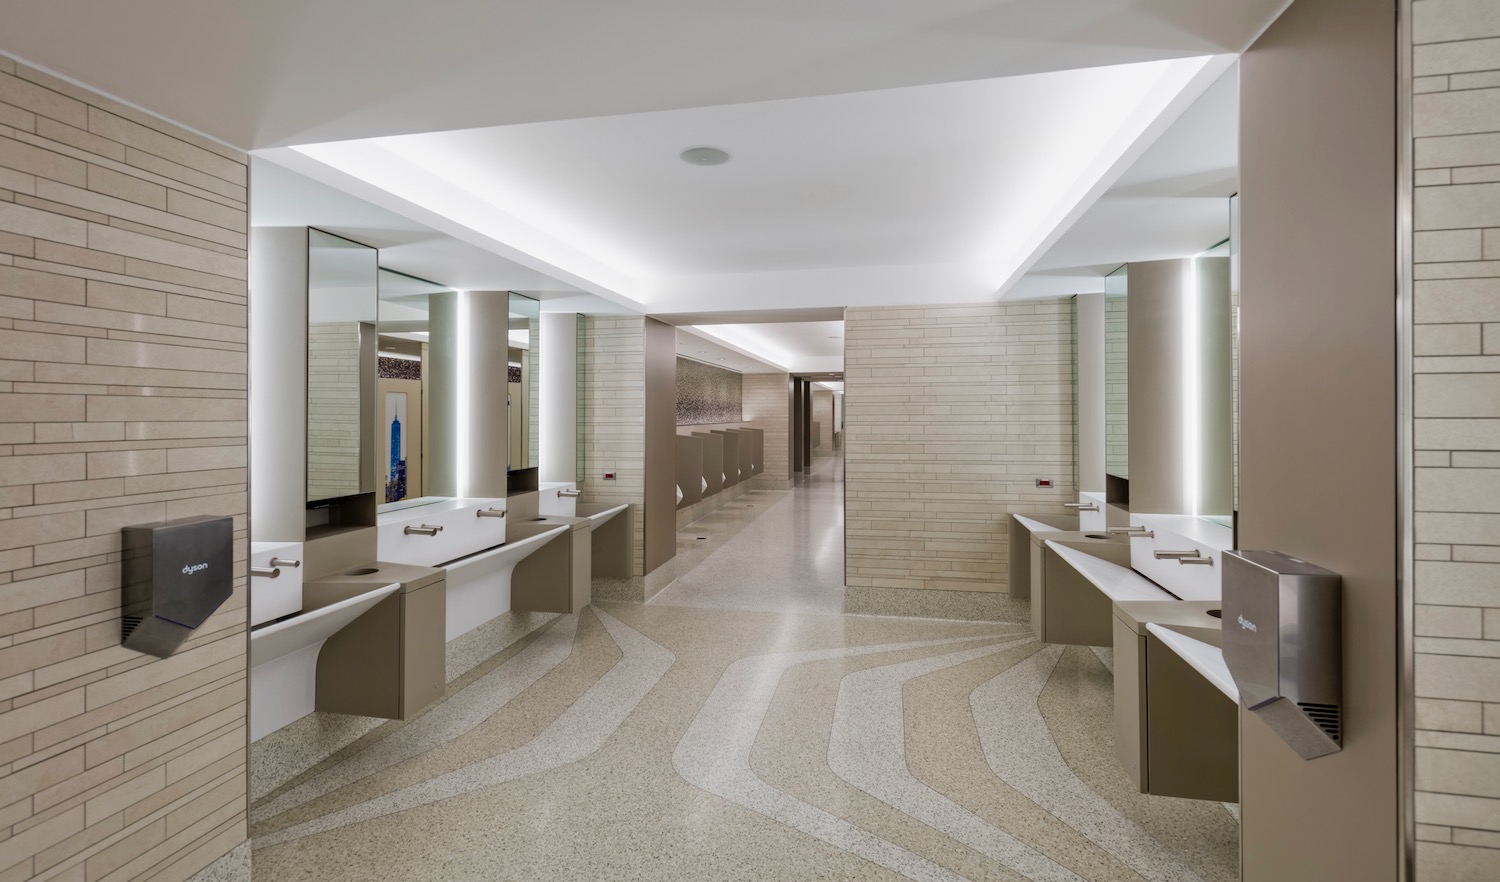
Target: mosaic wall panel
(400, 369)
(708, 394)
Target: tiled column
(766, 408)
(953, 413)
(1456, 124)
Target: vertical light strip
(1192, 364)
(461, 396)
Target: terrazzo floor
(697, 741)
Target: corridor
(740, 727)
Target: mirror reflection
(412, 460)
(525, 429)
(341, 315)
(1116, 375)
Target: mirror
(525, 426)
(1116, 375)
(1234, 344)
(341, 314)
(413, 443)
(1170, 340)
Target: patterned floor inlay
(445, 722)
(714, 755)
(733, 735)
(1019, 748)
(867, 748)
(578, 732)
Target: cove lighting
(1192, 361)
(461, 404)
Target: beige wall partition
(122, 401)
(822, 405)
(766, 408)
(1456, 152)
(612, 433)
(953, 414)
(1318, 446)
(660, 468)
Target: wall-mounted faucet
(490, 513)
(266, 572)
(424, 530)
(1082, 506)
(1132, 532)
(569, 493)
(283, 562)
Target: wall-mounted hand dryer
(175, 575)
(1283, 642)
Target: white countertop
(1205, 658)
(437, 506)
(1036, 526)
(1114, 581)
(1191, 527)
(272, 641)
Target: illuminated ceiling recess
(943, 193)
(882, 153)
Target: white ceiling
(692, 344)
(885, 152)
(794, 347)
(905, 176)
(277, 72)
(281, 197)
(952, 190)
(1174, 201)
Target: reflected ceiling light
(704, 156)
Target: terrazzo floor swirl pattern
(654, 742)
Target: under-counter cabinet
(558, 577)
(1176, 733)
(1065, 606)
(1022, 527)
(390, 662)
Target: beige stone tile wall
(1456, 403)
(1117, 388)
(822, 414)
(952, 413)
(122, 401)
(768, 408)
(612, 429)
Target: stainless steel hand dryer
(1283, 642)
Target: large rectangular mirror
(524, 419)
(341, 345)
(415, 436)
(1170, 372)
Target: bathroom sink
(599, 512)
(270, 642)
